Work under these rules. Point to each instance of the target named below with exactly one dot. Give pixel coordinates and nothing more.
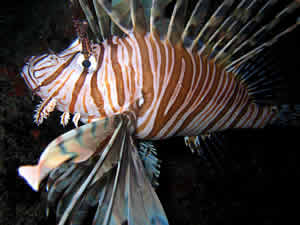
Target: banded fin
(76, 145)
(117, 17)
(236, 31)
(237, 36)
(254, 37)
(196, 22)
(98, 30)
(120, 14)
(177, 21)
(210, 147)
(168, 27)
(104, 173)
(230, 33)
(261, 75)
(213, 23)
(148, 155)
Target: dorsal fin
(116, 17)
(138, 14)
(177, 21)
(119, 13)
(228, 27)
(196, 22)
(235, 31)
(103, 20)
(158, 23)
(213, 23)
(91, 20)
(230, 34)
(245, 48)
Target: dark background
(259, 180)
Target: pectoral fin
(104, 175)
(76, 145)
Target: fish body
(136, 73)
(190, 74)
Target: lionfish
(158, 69)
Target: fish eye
(90, 64)
(86, 63)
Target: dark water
(259, 180)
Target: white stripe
(237, 107)
(226, 99)
(178, 87)
(112, 81)
(122, 51)
(138, 65)
(196, 122)
(261, 118)
(185, 105)
(216, 103)
(154, 104)
(164, 87)
(245, 117)
(175, 94)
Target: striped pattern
(172, 90)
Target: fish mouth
(28, 75)
(37, 68)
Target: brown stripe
(95, 93)
(129, 51)
(239, 110)
(55, 93)
(162, 66)
(251, 109)
(207, 102)
(160, 119)
(240, 116)
(270, 117)
(212, 102)
(76, 90)
(243, 111)
(107, 78)
(53, 85)
(266, 117)
(236, 99)
(258, 115)
(212, 84)
(53, 77)
(43, 74)
(181, 98)
(108, 87)
(37, 60)
(220, 100)
(84, 101)
(42, 68)
(148, 91)
(199, 89)
(118, 74)
(228, 106)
